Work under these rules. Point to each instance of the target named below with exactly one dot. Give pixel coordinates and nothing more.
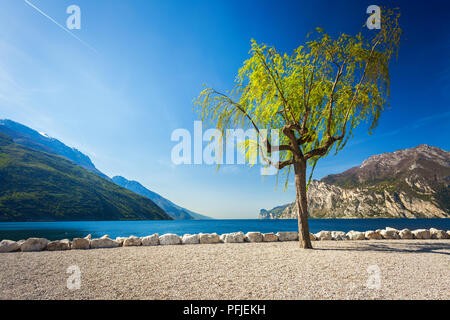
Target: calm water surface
(73, 229)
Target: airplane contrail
(59, 25)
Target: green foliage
(38, 186)
(317, 95)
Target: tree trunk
(302, 204)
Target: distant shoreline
(217, 219)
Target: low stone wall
(39, 244)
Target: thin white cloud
(59, 25)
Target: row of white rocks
(39, 244)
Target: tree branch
(285, 103)
(307, 108)
(331, 101)
(239, 107)
(279, 164)
(289, 132)
(270, 149)
(357, 91)
(321, 151)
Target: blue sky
(119, 95)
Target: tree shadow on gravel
(396, 247)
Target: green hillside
(37, 186)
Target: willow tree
(316, 97)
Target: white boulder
(80, 243)
(373, 235)
(254, 237)
(120, 240)
(437, 234)
(151, 240)
(324, 235)
(9, 246)
(287, 236)
(208, 238)
(34, 244)
(312, 237)
(338, 235)
(88, 237)
(59, 245)
(169, 239)
(132, 241)
(190, 239)
(405, 234)
(421, 234)
(104, 242)
(356, 235)
(235, 237)
(390, 233)
(270, 237)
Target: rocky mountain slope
(174, 211)
(38, 186)
(25, 136)
(409, 183)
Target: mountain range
(408, 183)
(33, 140)
(43, 179)
(28, 137)
(40, 186)
(176, 212)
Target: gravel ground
(409, 269)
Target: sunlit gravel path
(408, 269)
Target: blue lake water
(73, 229)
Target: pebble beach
(412, 269)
